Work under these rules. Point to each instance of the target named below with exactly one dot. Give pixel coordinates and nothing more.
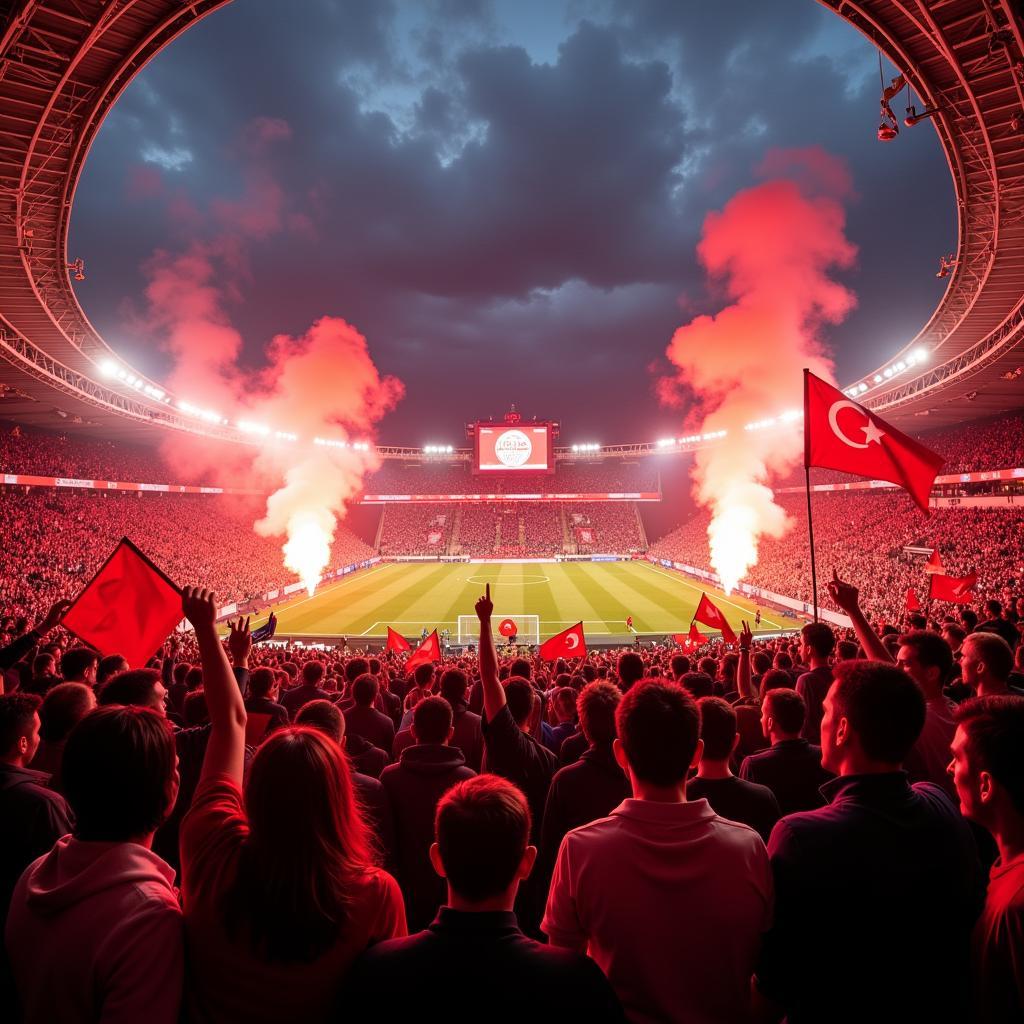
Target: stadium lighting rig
(438, 449)
(910, 360)
(586, 448)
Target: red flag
(129, 607)
(397, 642)
(711, 616)
(840, 434)
(913, 605)
(934, 563)
(570, 643)
(696, 636)
(959, 590)
(429, 650)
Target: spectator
(817, 641)
(791, 767)
(140, 687)
(736, 799)
(986, 662)
(308, 689)
(109, 666)
(677, 859)
(280, 892)
(43, 678)
(466, 732)
(474, 953)
(565, 711)
(630, 670)
(996, 623)
(94, 930)
(698, 684)
(264, 713)
(62, 709)
(425, 772)
(988, 772)
(879, 853)
(363, 719)
(33, 817)
(79, 665)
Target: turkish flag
(711, 616)
(429, 650)
(934, 563)
(840, 434)
(397, 642)
(696, 636)
(951, 588)
(570, 643)
(913, 604)
(129, 607)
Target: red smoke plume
(772, 248)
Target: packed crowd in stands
(827, 827)
(407, 529)
(55, 540)
(866, 533)
(615, 526)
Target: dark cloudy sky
(504, 196)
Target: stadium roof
(63, 63)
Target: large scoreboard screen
(523, 447)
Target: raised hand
(239, 641)
(746, 637)
(845, 595)
(485, 606)
(199, 606)
(52, 618)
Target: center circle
(527, 581)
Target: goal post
(527, 629)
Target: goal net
(527, 629)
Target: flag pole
(807, 489)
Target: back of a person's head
(432, 720)
(262, 682)
(589, 672)
(521, 667)
(63, 708)
(312, 673)
(423, 675)
(119, 773)
(709, 666)
(323, 715)
(994, 652)
(783, 661)
(195, 710)
(993, 608)
(565, 701)
(374, 664)
(17, 711)
(519, 696)
(181, 671)
(659, 726)
(846, 650)
(699, 684)
(775, 679)
(931, 650)
(787, 709)
(883, 706)
(630, 669)
(680, 665)
(760, 662)
(291, 668)
(356, 667)
(42, 665)
(955, 631)
(717, 728)
(364, 690)
(730, 662)
(306, 846)
(482, 829)
(819, 638)
(454, 685)
(110, 666)
(193, 678)
(596, 705)
(994, 730)
(76, 663)
(134, 687)
(917, 621)
(969, 618)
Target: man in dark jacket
(425, 772)
(466, 732)
(265, 713)
(363, 719)
(308, 689)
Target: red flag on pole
(958, 590)
(696, 636)
(913, 604)
(711, 616)
(397, 642)
(129, 607)
(840, 434)
(570, 643)
(934, 563)
(429, 650)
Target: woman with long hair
(280, 887)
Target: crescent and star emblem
(572, 641)
(871, 431)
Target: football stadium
(511, 508)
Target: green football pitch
(412, 595)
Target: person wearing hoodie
(95, 927)
(423, 774)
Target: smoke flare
(772, 247)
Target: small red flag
(696, 636)
(570, 643)
(129, 607)
(429, 650)
(840, 434)
(913, 604)
(958, 590)
(397, 642)
(934, 563)
(712, 616)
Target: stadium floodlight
(921, 354)
(108, 368)
(878, 378)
